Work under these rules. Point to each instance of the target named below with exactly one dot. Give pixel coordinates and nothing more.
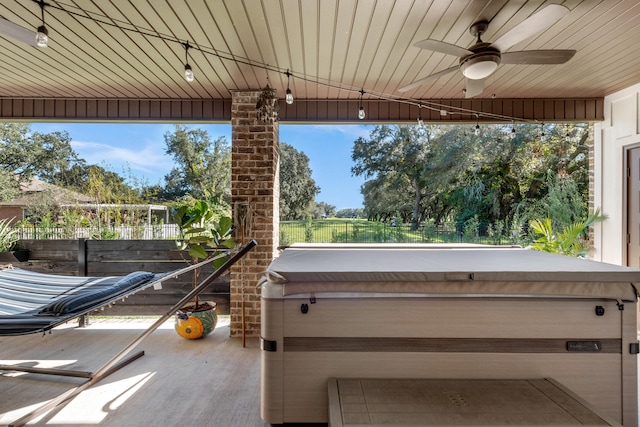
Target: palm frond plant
(571, 240)
(8, 235)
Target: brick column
(255, 193)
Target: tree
(439, 172)
(9, 186)
(323, 210)
(203, 166)
(297, 188)
(26, 154)
(408, 166)
(350, 213)
(105, 186)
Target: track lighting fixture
(361, 113)
(42, 36)
(188, 72)
(476, 131)
(288, 95)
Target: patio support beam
(255, 194)
(303, 110)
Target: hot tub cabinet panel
(445, 314)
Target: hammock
(34, 302)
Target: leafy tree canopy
(203, 165)
(27, 154)
(323, 210)
(9, 186)
(448, 172)
(297, 187)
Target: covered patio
(394, 61)
(166, 386)
(125, 61)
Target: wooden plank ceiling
(133, 51)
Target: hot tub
(445, 313)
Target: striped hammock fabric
(35, 302)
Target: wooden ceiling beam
(305, 110)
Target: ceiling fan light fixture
(480, 66)
(42, 37)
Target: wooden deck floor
(213, 382)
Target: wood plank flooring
(213, 381)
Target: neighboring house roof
(35, 188)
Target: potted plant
(8, 240)
(204, 234)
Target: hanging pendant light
(42, 35)
(188, 72)
(361, 113)
(288, 95)
(512, 134)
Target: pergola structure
(125, 60)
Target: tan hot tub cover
(463, 270)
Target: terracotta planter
(195, 324)
(21, 255)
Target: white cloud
(354, 131)
(350, 131)
(148, 161)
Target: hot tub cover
(489, 271)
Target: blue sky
(138, 150)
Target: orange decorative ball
(190, 328)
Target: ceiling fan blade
(16, 32)
(534, 24)
(429, 77)
(473, 88)
(442, 47)
(537, 57)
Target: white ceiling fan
(480, 60)
(16, 32)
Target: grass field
(341, 230)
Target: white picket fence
(146, 232)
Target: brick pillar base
(255, 191)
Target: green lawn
(341, 230)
